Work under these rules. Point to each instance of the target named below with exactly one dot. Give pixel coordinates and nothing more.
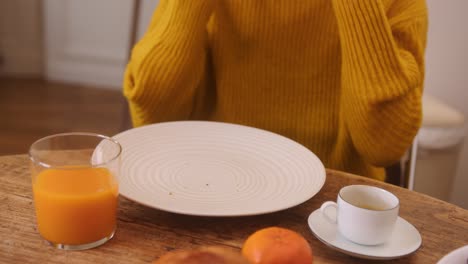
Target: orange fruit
(276, 245)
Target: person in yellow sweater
(342, 77)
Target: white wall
(146, 11)
(21, 37)
(447, 71)
(87, 41)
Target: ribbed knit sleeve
(168, 64)
(382, 74)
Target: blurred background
(62, 64)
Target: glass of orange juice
(75, 188)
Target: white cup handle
(324, 206)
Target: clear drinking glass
(75, 188)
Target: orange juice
(75, 205)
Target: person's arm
(382, 74)
(168, 64)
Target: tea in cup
(365, 215)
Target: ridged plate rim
(129, 136)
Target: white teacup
(365, 214)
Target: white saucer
(457, 256)
(404, 241)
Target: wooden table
(144, 234)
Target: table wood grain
(143, 234)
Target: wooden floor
(31, 109)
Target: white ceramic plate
(457, 256)
(404, 240)
(216, 169)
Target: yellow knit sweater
(342, 77)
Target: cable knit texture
(342, 77)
